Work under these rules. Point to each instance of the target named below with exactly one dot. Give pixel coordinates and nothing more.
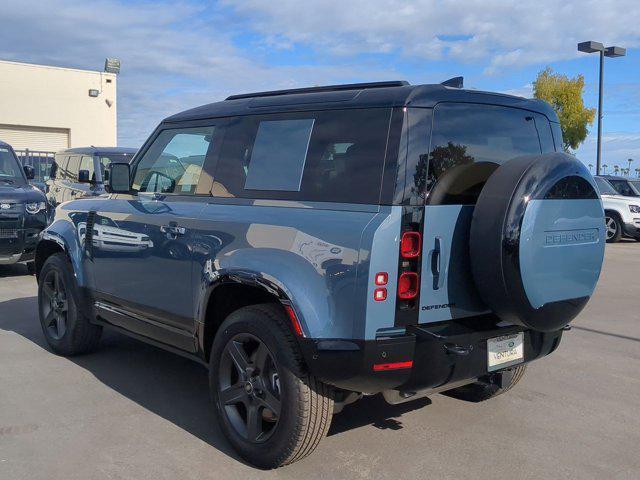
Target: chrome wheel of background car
(249, 388)
(54, 304)
(612, 227)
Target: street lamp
(593, 47)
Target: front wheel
(271, 411)
(66, 329)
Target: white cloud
(173, 56)
(497, 33)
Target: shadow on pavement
(17, 270)
(174, 387)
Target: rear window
(330, 156)
(470, 141)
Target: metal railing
(41, 162)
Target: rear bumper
(349, 364)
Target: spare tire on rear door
(537, 240)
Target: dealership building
(45, 108)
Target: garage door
(35, 138)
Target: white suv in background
(622, 214)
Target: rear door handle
(435, 263)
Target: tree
(616, 169)
(565, 96)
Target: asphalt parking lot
(130, 411)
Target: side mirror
(83, 176)
(119, 178)
(29, 172)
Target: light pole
(593, 47)
(630, 160)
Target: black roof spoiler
(326, 88)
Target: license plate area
(505, 351)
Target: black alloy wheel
(249, 388)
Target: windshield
(604, 187)
(10, 171)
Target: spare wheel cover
(537, 240)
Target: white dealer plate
(505, 351)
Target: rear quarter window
(328, 156)
(470, 141)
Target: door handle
(435, 263)
(173, 230)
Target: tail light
(410, 244)
(408, 285)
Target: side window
(623, 188)
(469, 142)
(557, 136)
(72, 168)
(280, 146)
(174, 162)
(86, 163)
(330, 156)
(544, 133)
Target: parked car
(313, 245)
(23, 210)
(621, 213)
(81, 172)
(622, 185)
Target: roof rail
(326, 88)
(455, 82)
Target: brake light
(408, 285)
(294, 321)
(381, 367)
(410, 244)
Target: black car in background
(23, 210)
(82, 172)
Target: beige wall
(38, 98)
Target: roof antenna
(455, 82)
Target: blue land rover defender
(314, 245)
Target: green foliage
(565, 96)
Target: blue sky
(176, 55)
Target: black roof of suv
(358, 95)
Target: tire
(613, 228)
(490, 386)
(66, 329)
(31, 267)
(302, 405)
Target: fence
(39, 160)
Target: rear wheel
(66, 329)
(613, 228)
(489, 386)
(270, 409)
